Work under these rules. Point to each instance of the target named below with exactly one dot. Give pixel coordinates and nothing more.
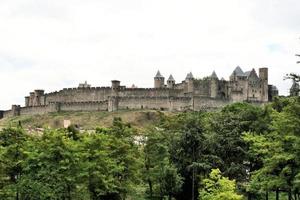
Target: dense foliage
(216, 187)
(240, 152)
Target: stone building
(190, 94)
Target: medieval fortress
(191, 94)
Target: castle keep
(190, 94)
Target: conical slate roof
(189, 76)
(238, 72)
(171, 78)
(253, 74)
(214, 75)
(158, 75)
(247, 73)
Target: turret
(171, 82)
(214, 85)
(214, 76)
(31, 98)
(263, 75)
(115, 84)
(237, 72)
(38, 97)
(159, 80)
(113, 100)
(16, 109)
(190, 82)
(27, 101)
(84, 85)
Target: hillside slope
(85, 120)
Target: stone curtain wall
(171, 103)
(158, 103)
(7, 113)
(124, 103)
(37, 110)
(206, 103)
(79, 95)
(149, 92)
(56, 107)
(85, 106)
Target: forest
(242, 151)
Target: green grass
(86, 120)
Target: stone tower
(171, 82)
(115, 84)
(214, 85)
(263, 75)
(27, 99)
(16, 109)
(190, 82)
(113, 100)
(159, 80)
(38, 98)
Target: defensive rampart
(191, 94)
(122, 103)
(70, 95)
(56, 107)
(207, 103)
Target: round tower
(26, 101)
(115, 84)
(16, 109)
(214, 85)
(159, 80)
(38, 94)
(190, 82)
(31, 98)
(263, 75)
(171, 82)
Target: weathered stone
(190, 94)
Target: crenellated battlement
(195, 94)
(80, 102)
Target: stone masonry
(191, 94)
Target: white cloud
(55, 44)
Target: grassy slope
(86, 120)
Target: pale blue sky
(46, 44)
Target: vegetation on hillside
(240, 152)
(139, 119)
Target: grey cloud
(277, 14)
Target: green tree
(52, 167)
(12, 156)
(160, 174)
(98, 168)
(189, 150)
(217, 187)
(279, 150)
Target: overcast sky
(46, 44)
